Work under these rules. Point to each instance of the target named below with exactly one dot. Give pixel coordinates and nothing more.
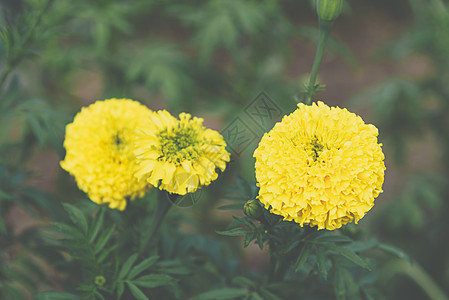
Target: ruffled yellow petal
(179, 156)
(320, 166)
(100, 155)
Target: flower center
(314, 148)
(118, 141)
(179, 144)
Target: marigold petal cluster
(178, 156)
(99, 147)
(320, 166)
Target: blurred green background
(387, 61)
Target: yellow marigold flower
(179, 156)
(100, 154)
(320, 166)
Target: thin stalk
(162, 207)
(325, 28)
(420, 277)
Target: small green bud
(252, 209)
(329, 10)
(100, 280)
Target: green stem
(420, 277)
(325, 28)
(162, 207)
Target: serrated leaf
(103, 239)
(221, 294)
(127, 266)
(345, 252)
(238, 231)
(142, 266)
(136, 292)
(302, 257)
(77, 216)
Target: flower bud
(329, 10)
(100, 280)
(252, 209)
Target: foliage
(210, 58)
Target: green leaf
(333, 238)
(238, 231)
(361, 246)
(154, 280)
(302, 257)
(142, 266)
(56, 296)
(106, 252)
(345, 252)
(267, 295)
(136, 292)
(255, 296)
(103, 239)
(238, 206)
(242, 281)
(220, 294)
(120, 289)
(248, 238)
(394, 250)
(321, 261)
(339, 285)
(97, 223)
(67, 229)
(127, 266)
(77, 216)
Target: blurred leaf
(127, 266)
(56, 296)
(69, 230)
(136, 292)
(142, 266)
(234, 231)
(164, 68)
(77, 216)
(395, 251)
(154, 280)
(302, 257)
(103, 239)
(96, 225)
(242, 281)
(321, 261)
(220, 294)
(350, 255)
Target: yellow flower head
(320, 166)
(179, 156)
(100, 154)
